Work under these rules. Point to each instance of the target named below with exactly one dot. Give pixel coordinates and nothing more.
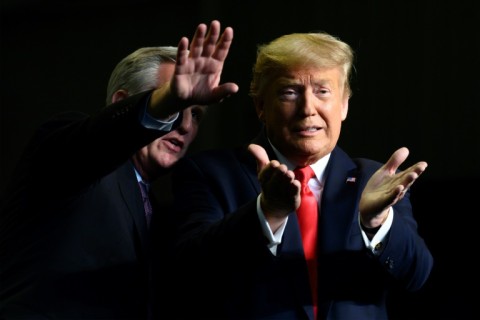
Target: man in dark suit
(74, 230)
(241, 250)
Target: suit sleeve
(219, 215)
(405, 256)
(79, 149)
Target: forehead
(312, 76)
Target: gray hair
(138, 71)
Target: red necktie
(307, 215)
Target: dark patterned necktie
(146, 202)
(307, 215)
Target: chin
(167, 161)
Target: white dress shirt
(316, 185)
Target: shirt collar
(139, 178)
(317, 167)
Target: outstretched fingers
(204, 42)
(182, 52)
(196, 46)
(396, 159)
(412, 173)
(200, 63)
(223, 45)
(405, 179)
(210, 43)
(211, 39)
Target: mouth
(308, 130)
(174, 144)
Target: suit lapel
(131, 195)
(339, 201)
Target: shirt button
(379, 246)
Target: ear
(345, 107)
(119, 95)
(259, 104)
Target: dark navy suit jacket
(227, 271)
(74, 242)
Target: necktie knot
(303, 174)
(143, 189)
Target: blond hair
(319, 50)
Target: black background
(416, 84)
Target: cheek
(344, 113)
(336, 121)
(335, 115)
(145, 151)
(192, 134)
(280, 113)
(335, 126)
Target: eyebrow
(285, 82)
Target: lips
(174, 144)
(308, 129)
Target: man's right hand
(198, 69)
(280, 191)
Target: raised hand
(386, 187)
(198, 69)
(197, 72)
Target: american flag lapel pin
(351, 180)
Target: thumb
(260, 155)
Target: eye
(321, 90)
(288, 93)
(198, 113)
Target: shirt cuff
(274, 239)
(150, 122)
(376, 244)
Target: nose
(186, 124)
(307, 105)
